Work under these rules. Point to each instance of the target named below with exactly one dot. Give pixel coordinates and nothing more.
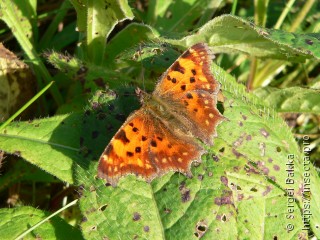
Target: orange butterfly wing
(192, 90)
(144, 146)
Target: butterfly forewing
(191, 71)
(128, 151)
(190, 89)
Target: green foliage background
(240, 189)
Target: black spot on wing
(189, 95)
(129, 154)
(153, 143)
(122, 137)
(177, 67)
(138, 149)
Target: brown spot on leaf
(309, 41)
(265, 170)
(136, 216)
(240, 197)
(239, 141)
(215, 158)
(276, 167)
(269, 188)
(223, 200)
(224, 180)
(167, 210)
(236, 153)
(264, 133)
(185, 192)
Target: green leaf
(262, 138)
(101, 18)
(91, 77)
(21, 171)
(179, 16)
(15, 221)
(294, 99)
(130, 36)
(230, 34)
(50, 40)
(51, 143)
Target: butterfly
(163, 135)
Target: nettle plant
(255, 182)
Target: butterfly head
(143, 96)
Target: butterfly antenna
(142, 68)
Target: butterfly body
(164, 110)
(163, 135)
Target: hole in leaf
(200, 229)
(103, 207)
(253, 189)
(94, 228)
